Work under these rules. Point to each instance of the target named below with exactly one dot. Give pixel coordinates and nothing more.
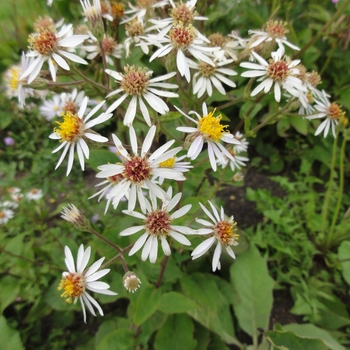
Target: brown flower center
(137, 170)
(206, 69)
(217, 39)
(276, 29)
(181, 13)
(70, 106)
(109, 45)
(335, 112)
(226, 232)
(277, 70)
(145, 4)
(44, 43)
(158, 222)
(181, 36)
(134, 81)
(134, 28)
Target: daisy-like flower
(15, 82)
(50, 46)
(183, 13)
(275, 31)
(228, 47)
(207, 76)
(137, 83)
(158, 227)
(209, 129)
(5, 215)
(180, 41)
(135, 34)
(142, 8)
(77, 280)
(331, 111)
(110, 49)
(278, 72)
(243, 146)
(221, 230)
(34, 194)
(137, 170)
(73, 131)
(51, 108)
(9, 205)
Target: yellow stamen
(73, 285)
(71, 129)
(168, 163)
(226, 232)
(13, 80)
(211, 127)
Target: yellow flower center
(335, 112)
(225, 231)
(206, 69)
(44, 43)
(168, 163)
(211, 128)
(217, 39)
(13, 79)
(73, 285)
(117, 10)
(134, 28)
(71, 129)
(2, 215)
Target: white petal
(203, 248)
(179, 237)
(138, 244)
(216, 256)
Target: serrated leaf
(343, 254)
(253, 286)
(311, 331)
(284, 340)
(146, 304)
(176, 334)
(173, 302)
(10, 338)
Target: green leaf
(10, 338)
(146, 304)
(299, 124)
(120, 339)
(289, 341)
(174, 302)
(253, 286)
(170, 116)
(311, 331)
(202, 289)
(282, 126)
(176, 333)
(101, 156)
(9, 287)
(344, 253)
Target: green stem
(340, 192)
(323, 30)
(327, 199)
(231, 103)
(92, 82)
(115, 246)
(118, 256)
(53, 85)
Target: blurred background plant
(290, 282)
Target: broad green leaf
(299, 124)
(311, 331)
(284, 340)
(173, 302)
(202, 289)
(9, 287)
(176, 334)
(253, 287)
(120, 339)
(10, 338)
(146, 304)
(202, 335)
(282, 126)
(344, 253)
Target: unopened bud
(131, 281)
(76, 218)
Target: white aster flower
(5, 215)
(110, 49)
(73, 131)
(50, 46)
(142, 8)
(243, 146)
(180, 41)
(209, 75)
(135, 35)
(278, 72)
(274, 32)
(77, 280)
(52, 108)
(236, 162)
(34, 194)
(228, 47)
(158, 226)
(137, 170)
(15, 81)
(221, 230)
(331, 111)
(9, 205)
(137, 84)
(209, 129)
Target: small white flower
(221, 230)
(135, 35)
(158, 226)
(274, 31)
(137, 84)
(5, 215)
(51, 108)
(51, 46)
(277, 72)
(331, 111)
(34, 194)
(127, 178)
(9, 204)
(73, 131)
(209, 129)
(142, 7)
(77, 280)
(209, 76)
(243, 146)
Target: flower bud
(131, 281)
(76, 218)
